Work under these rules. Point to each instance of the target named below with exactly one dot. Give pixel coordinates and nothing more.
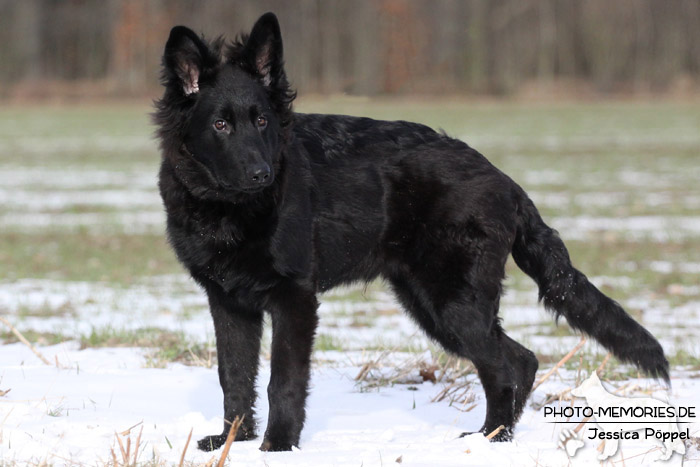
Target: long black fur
(267, 207)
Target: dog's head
(225, 111)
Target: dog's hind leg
(294, 321)
(467, 325)
(238, 334)
(525, 367)
(506, 370)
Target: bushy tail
(541, 254)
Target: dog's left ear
(263, 50)
(185, 59)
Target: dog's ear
(263, 50)
(186, 55)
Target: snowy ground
(76, 200)
(75, 414)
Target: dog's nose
(259, 173)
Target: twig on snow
(23, 340)
(599, 370)
(495, 432)
(128, 430)
(235, 426)
(182, 457)
(561, 362)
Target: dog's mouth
(227, 188)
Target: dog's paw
(211, 443)
(502, 436)
(498, 435)
(270, 445)
(570, 442)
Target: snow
(71, 415)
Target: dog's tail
(541, 254)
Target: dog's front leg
(238, 333)
(294, 321)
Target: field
(87, 276)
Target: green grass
(85, 256)
(327, 342)
(41, 338)
(167, 346)
(114, 137)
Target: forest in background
(364, 47)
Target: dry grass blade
(128, 430)
(24, 341)
(138, 445)
(456, 389)
(561, 362)
(364, 370)
(7, 416)
(470, 408)
(599, 370)
(456, 392)
(235, 426)
(560, 396)
(199, 361)
(368, 366)
(495, 432)
(182, 457)
(121, 448)
(580, 426)
(126, 452)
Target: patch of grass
(35, 337)
(447, 370)
(47, 311)
(85, 256)
(56, 411)
(111, 337)
(112, 137)
(167, 346)
(587, 360)
(182, 351)
(685, 358)
(87, 207)
(325, 342)
(556, 330)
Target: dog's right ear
(185, 58)
(263, 51)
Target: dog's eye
(262, 122)
(220, 125)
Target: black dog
(267, 207)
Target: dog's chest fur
(222, 242)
